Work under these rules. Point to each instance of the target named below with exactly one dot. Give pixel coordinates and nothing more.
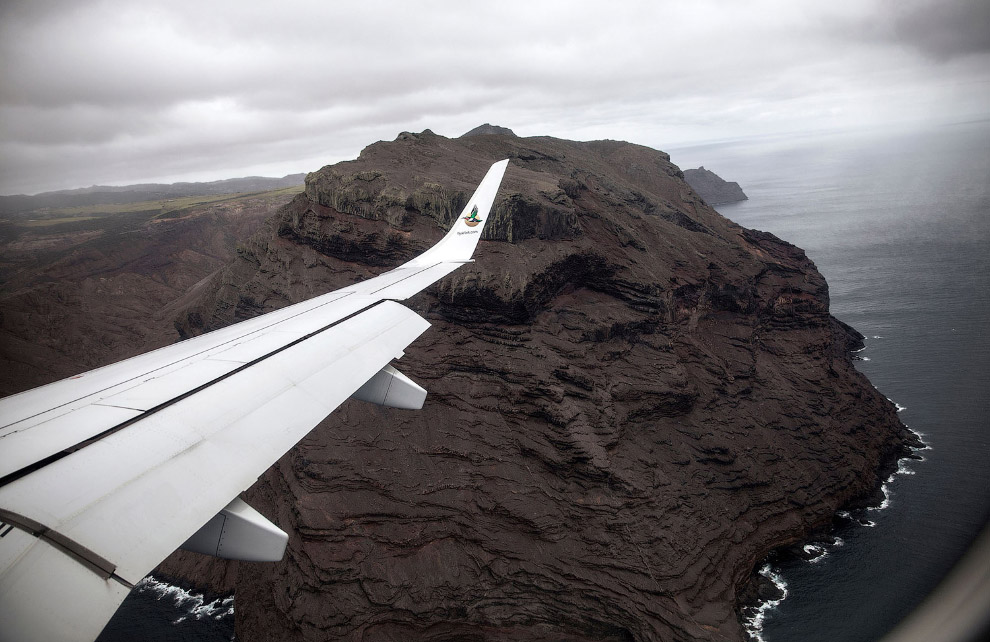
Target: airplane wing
(104, 474)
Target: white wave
(903, 464)
(194, 604)
(754, 624)
(816, 551)
(864, 359)
(902, 469)
(921, 437)
(885, 489)
(899, 407)
(877, 336)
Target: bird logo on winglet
(472, 219)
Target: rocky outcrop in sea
(633, 401)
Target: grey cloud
(113, 91)
(942, 30)
(19, 12)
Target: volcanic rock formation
(633, 400)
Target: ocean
(156, 611)
(899, 224)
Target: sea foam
(192, 605)
(818, 551)
(753, 625)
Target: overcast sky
(124, 92)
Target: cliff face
(632, 401)
(712, 187)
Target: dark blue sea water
(156, 611)
(899, 224)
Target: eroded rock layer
(632, 401)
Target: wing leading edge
(105, 474)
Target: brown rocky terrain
(101, 195)
(80, 291)
(633, 401)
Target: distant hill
(108, 194)
(489, 129)
(711, 187)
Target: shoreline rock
(761, 589)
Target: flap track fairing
(393, 389)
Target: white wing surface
(104, 474)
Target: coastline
(902, 249)
(766, 588)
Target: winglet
(459, 243)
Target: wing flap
(46, 595)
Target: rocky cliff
(633, 400)
(712, 187)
